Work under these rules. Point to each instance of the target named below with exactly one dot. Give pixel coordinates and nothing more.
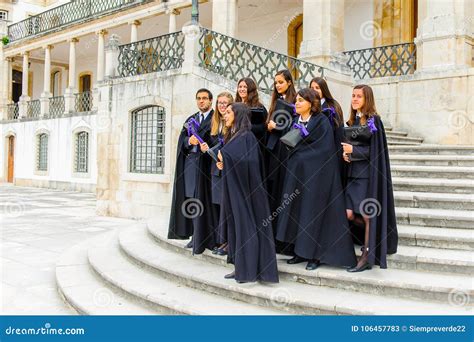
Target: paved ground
(36, 225)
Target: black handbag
(357, 135)
(292, 138)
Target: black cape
(313, 215)
(338, 139)
(383, 239)
(201, 210)
(245, 211)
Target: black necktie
(201, 118)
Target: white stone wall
(60, 153)
(359, 29)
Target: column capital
(135, 22)
(73, 40)
(102, 32)
(174, 11)
(48, 47)
(9, 59)
(25, 53)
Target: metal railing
(56, 106)
(390, 60)
(234, 59)
(83, 102)
(70, 13)
(152, 55)
(13, 111)
(33, 109)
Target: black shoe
(361, 268)
(312, 265)
(295, 260)
(190, 244)
(240, 282)
(230, 275)
(215, 250)
(221, 251)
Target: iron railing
(56, 106)
(70, 13)
(83, 102)
(152, 55)
(13, 111)
(391, 60)
(234, 59)
(33, 109)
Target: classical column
(46, 94)
(444, 38)
(111, 56)
(101, 55)
(69, 95)
(134, 30)
(224, 17)
(172, 22)
(24, 98)
(323, 30)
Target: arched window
(81, 158)
(42, 152)
(56, 83)
(147, 150)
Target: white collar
(322, 101)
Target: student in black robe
(369, 191)
(223, 100)
(244, 206)
(276, 153)
(247, 93)
(313, 216)
(192, 212)
(333, 111)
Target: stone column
(444, 40)
(69, 95)
(323, 30)
(46, 94)
(224, 17)
(101, 55)
(24, 98)
(191, 47)
(172, 22)
(134, 30)
(111, 56)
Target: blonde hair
(217, 117)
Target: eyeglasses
(223, 103)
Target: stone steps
(399, 138)
(412, 199)
(427, 149)
(443, 218)
(445, 172)
(401, 143)
(434, 160)
(435, 237)
(401, 284)
(437, 185)
(392, 133)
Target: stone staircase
(138, 271)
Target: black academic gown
(192, 212)
(383, 234)
(216, 187)
(338, 139)
(314, 215)
(245, 211)
(258, 117)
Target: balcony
(73, 12)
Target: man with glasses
(192, 211)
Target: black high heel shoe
(312, 265)
(363, 263)
(295, 260)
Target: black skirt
(356, 192)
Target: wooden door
(11, 158)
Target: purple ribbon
(303, 131)
(192, 127)
(294, 108)
(332, 114)
(221, 141)
(371, 125)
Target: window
(147, 154)
(42, 157)
(3, 15)
(56, 83)
(81, 161)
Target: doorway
(11, 158)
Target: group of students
(292, 180)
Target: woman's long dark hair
(290, 94)
(241, 120)
(329, 99)
(312, 97)
(252, 93)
